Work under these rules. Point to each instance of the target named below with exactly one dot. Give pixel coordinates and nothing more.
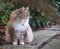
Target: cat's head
(23, 13)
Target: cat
(19, 28)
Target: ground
(43, 39)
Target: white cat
(19, 25)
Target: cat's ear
(27, 8)
(23, 8)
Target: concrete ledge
(41, 38)
(29, 46)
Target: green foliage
(36, 19)
(57, 2)
(5, 10)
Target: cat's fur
(19, 28)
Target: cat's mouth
(23, 17)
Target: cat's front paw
(22, 43)
(15, 43)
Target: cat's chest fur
(21, 25)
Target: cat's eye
(26, 14)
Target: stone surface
(41, 38)
(54, 44)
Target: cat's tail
(29, 34)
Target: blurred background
(43, 13)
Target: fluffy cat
(19, 28)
